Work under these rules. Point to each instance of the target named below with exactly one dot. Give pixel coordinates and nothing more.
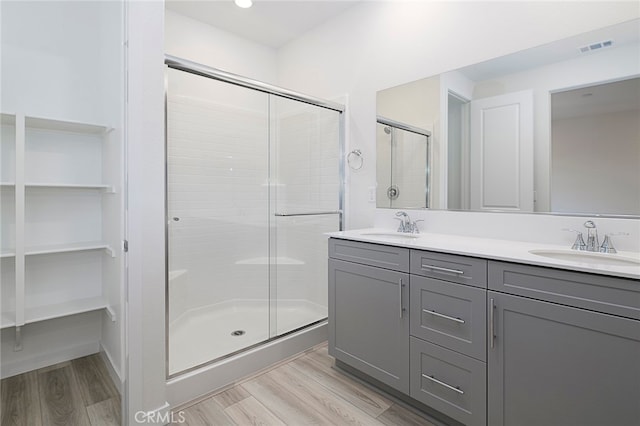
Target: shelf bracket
(111, 252)
(18, 345)
(112, 314)
(110, 190)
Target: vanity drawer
(449, 382)
(611, 295)
(388, 257)
(450, 267)
(450, 315)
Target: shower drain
(238, 333)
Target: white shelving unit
(52, 178)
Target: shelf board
(67, 248)
(59, 310)
(60, 248)
(106, 188)
(64, 125)
(7, 253)
(72, 307)
(7, 319)
(7, 184)
(7, 118)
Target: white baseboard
(114, 373)
(41, 360)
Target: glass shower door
(305, 189)
(217, 219)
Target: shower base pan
(202, 335)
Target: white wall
(50, 64)
(591, 156)
(190, 39)
(146, 366)
(378, 45)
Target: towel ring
(355, 160)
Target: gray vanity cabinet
(555, 364)
(488, 342)
(368, 310)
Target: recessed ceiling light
(245, 4)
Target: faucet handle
(607, 245)
(414, 226)
(579, 243)
(401, 227)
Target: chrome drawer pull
(492, 324)
(400, 285)
(458, 320)
(433, 379)
(438, 268)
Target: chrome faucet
(592, 236)
(406, 224)
(593, 244)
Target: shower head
(387, 130)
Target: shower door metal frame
(173, 62)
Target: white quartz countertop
(511, 251)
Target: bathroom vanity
(483, 332)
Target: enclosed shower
(402, 165)
(253, 182)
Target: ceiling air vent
(596, 46)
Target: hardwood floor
(73, 393)
(303, 391)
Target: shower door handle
(308, 213)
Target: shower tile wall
(218, 189)
(307, 170)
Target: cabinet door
(369, 322)
(556, 365)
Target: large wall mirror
(552, 129)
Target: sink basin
(587, 257)
(390, 234)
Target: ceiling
(597, 99)
(268, 22)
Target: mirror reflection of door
(501, 154)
